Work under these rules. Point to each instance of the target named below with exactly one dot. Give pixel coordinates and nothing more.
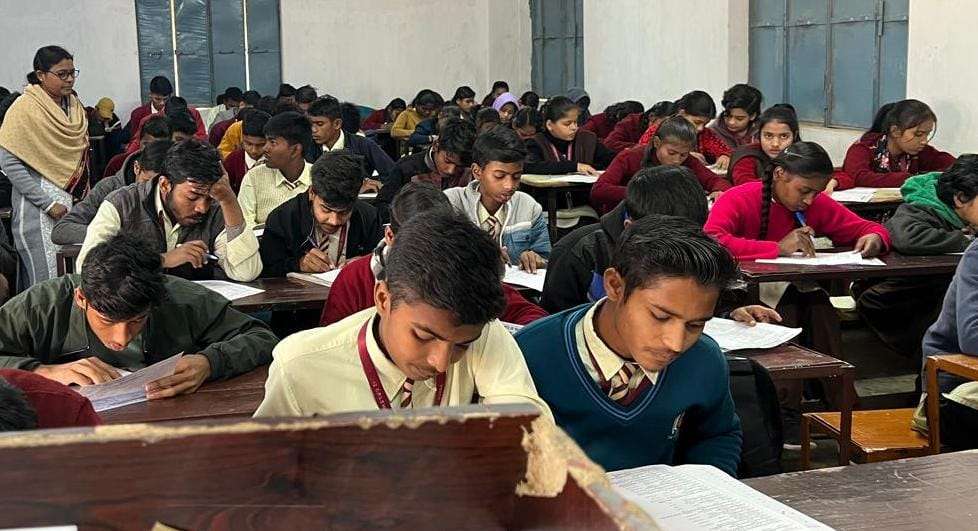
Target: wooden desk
(236, 397)
(65, 258)
(283, 294)
(552, 186)
(878, 211)
(897, 265)
(932, 492)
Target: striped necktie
(624, 383)
(493, 227)
(406, 394)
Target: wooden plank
(283, 294)
(897, 265)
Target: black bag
(756, 401)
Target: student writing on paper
(493, 200)
(631, 378)
(777, 128)
(562, 147)
(603, 123)
(122, 311)
(698, 108)
(326, 115)
(630, 129)
(433, 337)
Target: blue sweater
(956, 329)
(692, 393)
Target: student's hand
(221, 190)
(191, 371)
(505, 255)
(315, 261)
(87, 371)
(751, 315)
(829, 188)
(698, 156)
(723, 161)
(57, 211)
(370, 186)
(869, 245)
(586, 169)
(799, 239)
(531, 261)
(193, 253)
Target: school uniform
(353, 291)
(55, 405)
(232, 139)
(870, 163)
(71, 228)
(237, 164)
(405, 123)
(137, 116)
(263, 189)
(342, 368)
(199, 134)
(626, 133)
(375, 120)
(731, 139)
(708, 143)
(217, 131)
(423, 132)
(610, 188)
(549, 155)
(416, 167)
(599, 124)
(519, 225)
(374, 158)
(291, 232)
(115, 163)
(625, 416)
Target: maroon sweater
(236, 167)
(861, 166)
(56, 405)
(626, 133)
(600, 125)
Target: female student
(527, 122)
(896, 146)
(777, 128)
(741, 105)
(384, 117)
(507, 106)
(698, 107)
(486, 119)
(630, 129)
(530, 99)
(464, 99)
(562, 147)
(603, 123)
(424, 105)
(43, 151)
(498, 88)
(671, 145)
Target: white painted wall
(101, 34)
(371, 51)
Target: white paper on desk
(732, 335)
(129, 389)
(229, 290)
(854, 195)
(577, 179)
(368, 195)
(45, 528)
(324, 279)
(694, 497)
(517, 277)
(512, 328)
(846, 258)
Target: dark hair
(527, 116)
(219, 99)
(904, 114)
(557, 107)
(6, 102)
(428, 98)
(486, 115)
(158, 127)
(414, 198)
(153, 156)
(181, 122)
(462, 93)
(192, 160)
(351, 118)
(233, 94)
(672, 129)
(160, 85)
(457, 136)
(396, 103)
(253, 123)
(305, 94)
(285, 90)
(122, 277)
(530, 99)
(959, 181)
(16, 412)
(742, 96)
(658, 246)
(804, 159)
(292, 126)
(176, 103)
(4, 93)
(284, 107)
(251, 98)
(500, 85)
(44, 59)
(464, 277)
(615, 112)
(698, 103)
(499, 144)
(336, 178)
(326, 106)
(782, 113)
(446, 113)
(660, 110)
(267, 104)
(666, 190)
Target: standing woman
(43, 150)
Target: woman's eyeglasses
(63, 75)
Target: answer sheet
(846, 258)
(694, 497)
(229, 290)
(325, 279)
(732, 335)
(861, 194)
(517, 277)
(130, 388)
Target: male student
(353, 289)
(30, 401)
(321, 229)
(631, 378)
(181, 123)
(432, 337)
(143, 167)
(233, 96)
(252, 149)
(175, 105)
(285, 172)
(326, 115)
(157, 128)
(513, 218)
(189, 213)
(160, 90)
(123, 312)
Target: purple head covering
(503, 99)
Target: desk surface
(791, 361)
(556, 181)
(897, 265)
(283, 294)
(933, 492)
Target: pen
(209, 256)
(800, 217)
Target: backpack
(756, 401)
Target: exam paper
(846, 258)
(325, 279)
(577, 179)
(732, 335)
(368, 195)
(130, 388)
(854, 195)
(694, 497)
(517, 277)
(229, 290)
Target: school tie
(493, 227)
(625, 382)
(406, 393)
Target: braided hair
(804, 159)
(672, 129)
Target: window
(836, 61)
(205, 46)
(558, 45)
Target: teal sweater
(692, 393)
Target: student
(181, 123)
(741, 107)
(327, 131)
(530, 99)
(562, 147)
(498, 88)
(321, 229)
(384, 118)
(175, 105)
(304, 96)
(353, 289)
(218, 128)
(427, 130)
(123, 312)
(896, 146)
(145, 166)
(424, 105)
(699, 109)
(603, 123)
(189, 213)
(432, 337)
(580, 97)
(464, 99)
(233, 98)
(160, 90)
(630, 129)
(351, 119)
(493, 202)
(156, 128)
(527, 122)
(777, 128)
(671, 145)
(506, 105)
(631, 378)
(29, 401)
(486, 119)
(284, 173)
(286, 94)
(252, 150)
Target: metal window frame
(569, 35)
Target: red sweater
(599, 125)
(860, 165)
(200, 134)
(626, 133)
(709, 145)
(217, 131)
(609, 190)
(374, 120)
(735, 221)
(353, 291)
(56, 405)
(747, 167)
(116, 162)
(236, 168)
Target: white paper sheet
(854, 195)
(517, 277)
(368, 195)
(732, 335)
(46, 528)
(324, 279)
(512, 328)
(695, 497)
(846, 258)
(131, 388)
(259, 231)
(577, 179)
(229, 290)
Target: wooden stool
(877, 435)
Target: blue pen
(800, 217)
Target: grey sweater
(71, 228)
(956, 329)
(919, 230)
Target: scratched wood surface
(897, 265)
